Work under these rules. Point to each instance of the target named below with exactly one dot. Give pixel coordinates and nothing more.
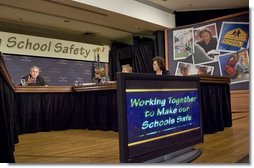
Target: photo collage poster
(228, 48)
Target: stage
(95, 146)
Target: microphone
(98, 56)
(98, 60)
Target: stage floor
(86, 146)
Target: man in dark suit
(33, 78)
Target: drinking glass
(75, 83)
(23, 82)
(103, 80)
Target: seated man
(33, 78)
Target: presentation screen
(157, 115)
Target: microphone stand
(98, 60)
(93, 66)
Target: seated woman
(159, 68)
(100, 75)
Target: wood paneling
(214, 79)
(43, 89)
(111, 85)
(239, 101)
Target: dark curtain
(191, 17)
(160, 43)
(143, 52)
(115, 56)
(8, 132)
(45, 111)
(139, 55)
(95, 110)
(216, 107)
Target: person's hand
(30, 79)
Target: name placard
(39, 46)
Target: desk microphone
(98, 60)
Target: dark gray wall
(57, 72)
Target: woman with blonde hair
(100, 75)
